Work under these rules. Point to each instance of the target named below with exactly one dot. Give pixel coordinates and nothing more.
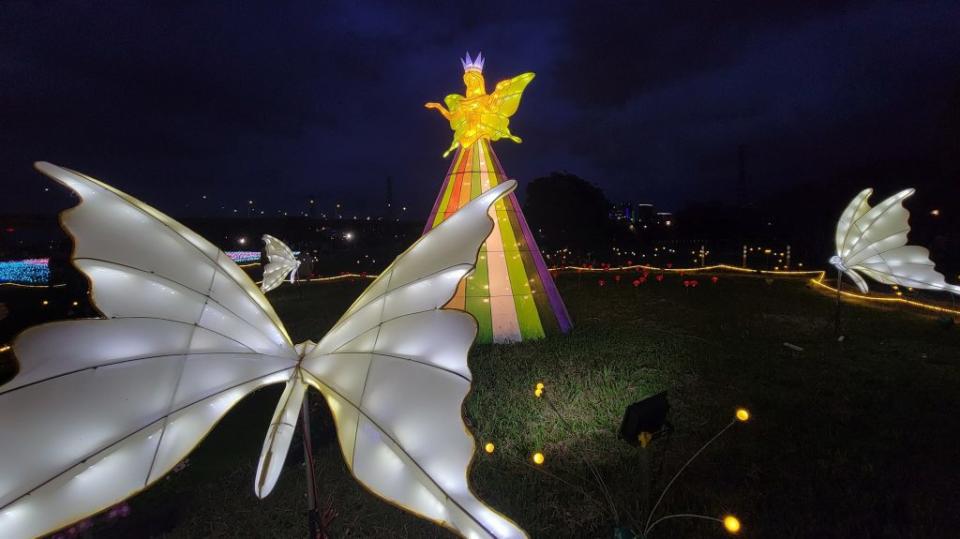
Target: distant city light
(242, 241)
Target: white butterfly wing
(394, 373)
(280, 263)
(854, 211)
(875, 245)
(102, 408)
(858, 280)
(907, 265)
(880, 229)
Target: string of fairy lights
(35, 273)
(773, 258)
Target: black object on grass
(647, 416)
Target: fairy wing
(280, 263)
(394, 373)
(875, 245)
(453, 102)
(102, 408)
(506, 96)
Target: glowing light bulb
(732, 524)
(489, 447)
(45, 302)
(743, 414)
(538, 458)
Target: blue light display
(34, 271)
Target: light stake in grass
(730, 522)
(596, 474)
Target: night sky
(278, 101)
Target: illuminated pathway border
(817, 279)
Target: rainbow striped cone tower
(511, 293)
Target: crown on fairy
(475, 64)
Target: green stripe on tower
(527, 315)
(478, 298)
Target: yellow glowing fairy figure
(480, 115)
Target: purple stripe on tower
(556, 302)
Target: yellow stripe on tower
(506, 327)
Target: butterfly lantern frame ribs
(102, 408)
(873, 242)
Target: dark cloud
(279, 101)
(810, 89)
(644, 45)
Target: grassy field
(858, 438)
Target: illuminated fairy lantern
(280, 263)
(103, 408)
(511, 294)
(872, 242)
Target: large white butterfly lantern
(873, 242)
(102, 408)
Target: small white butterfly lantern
(872, 242)
(281, 262)
(102, 408)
